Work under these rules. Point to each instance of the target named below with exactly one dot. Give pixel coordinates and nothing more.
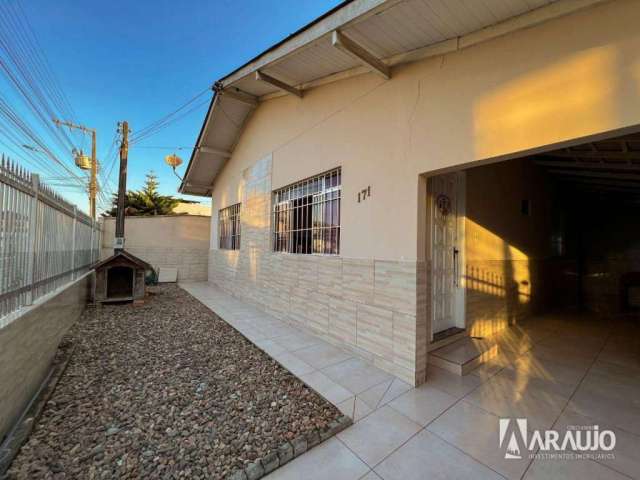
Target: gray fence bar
(45, 242)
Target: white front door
(446, 199)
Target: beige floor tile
(570, 359)
(426, 456)
(531, 371)
(625, 355)
(613, 380)
(298, 340)
(542, 469)
(620, 412)
(626, 451)
(476, 432)
(383, 393)
(586, 348)
(423, 404)
(322, 355)
(397, 388)
(293, 364)
(329, 460)
(453, 384)
(490, 368)
(372, 476)
(379, 434)
(355, 409)
(360, 410)
(278, 332)
(506, 396)
(326, 387)
(513, 340)
(269, 346)
(356, 375)
(464, 350)
(347, 407)
(374, 395)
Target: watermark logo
(576, 442)
(513, 443)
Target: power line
(29, 73)
(34, 91)
(66, 105)
(163, 148)
(171, 117)
(9, 114)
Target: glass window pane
(306, 215)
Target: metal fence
(45, 242)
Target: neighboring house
(164, 241)
(184, 208)
(398, 175)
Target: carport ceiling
(604, 166)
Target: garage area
(534, 288)
(553, 232)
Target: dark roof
(128, 256)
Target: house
(192, 208)
(404, 176)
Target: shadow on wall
(510, 271)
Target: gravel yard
(165, 390)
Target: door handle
(455, 266)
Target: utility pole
(93, 182)
(122, 188)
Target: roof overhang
(356, 37)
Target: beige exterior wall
(364, 304)
(28, 345)
(180, 241)
(572, 77)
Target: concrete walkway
(556, 371)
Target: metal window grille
(306, 215)
(45, 242)
(229, 227)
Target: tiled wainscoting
(367, 306)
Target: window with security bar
(306, 215)
(229, 227)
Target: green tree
(147, 201)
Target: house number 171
(364, 194)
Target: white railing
(45, 242)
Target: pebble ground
(165, 390)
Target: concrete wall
(180, 241)
(29, 343)
(571, 77)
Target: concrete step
(463, 355)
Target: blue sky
(139, 60)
